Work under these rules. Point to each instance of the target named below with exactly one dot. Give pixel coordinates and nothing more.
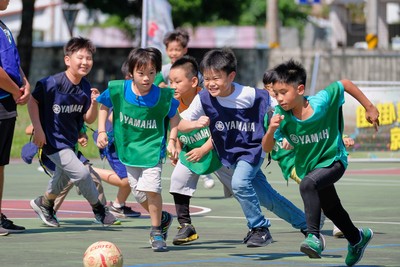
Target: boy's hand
(102, 140)
(348, 141)
(275, 121)
(203, 121)
(24, 96)
(172, 152)
(95, 94)
(286, 145)
(195, 154)
(83, 139)
(39, 138)
(372, 116)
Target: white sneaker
(336, 232)
(208, 181)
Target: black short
(6, 137)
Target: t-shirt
(317, 141)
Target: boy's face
(175, 51)
(270, 90)
(218, 83)
(287, 95)
(79, 63)
(144, 77)
(181, 83)
(4, 4)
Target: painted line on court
(246, 259)
(279, 219)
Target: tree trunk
(24, 40)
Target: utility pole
(372, 24)
(272, 23)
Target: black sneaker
(166, 221)
(9, 226)
(46, 214)
(258, 237)
(102, 215)
(157, 241)
(123, 212)
(186, 233)
(3, 232)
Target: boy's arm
(187, 126)
(372, 113)
(102, 138)
(7, 84)
(173, 135)
(39, 137)
(268, 140)
(25, 89)
(91, 115)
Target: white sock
(118, 205)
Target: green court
(369, 192)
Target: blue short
(115, 163)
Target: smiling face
(183, 85)
(218, 83)
(79, 63)
(175, 51)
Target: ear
(195, 81)
(185, 50)
(231, 76)
(301, 89)
(67, 60)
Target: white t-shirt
(242, 97)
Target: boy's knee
(306, 184)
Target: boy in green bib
(142, 113)
(313, 125)
(196, 157)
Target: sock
(155, 228)
(118, 205)
(47, 202)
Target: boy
(141, 115)
(176, 47)
(14, 90)
(194, 159)
(235, 115)
(58, 108)
(314, 127)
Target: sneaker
(9, 226)
(186, 233)
(157, 241)
(258, 237)
(166, 221)
(117, 222)
(123, 212)
(208, 181)
(46, 214)
(3, 232)
(337, 232)
(102, 215)
(355, 253)
(311, 246)
(323, 242)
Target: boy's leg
(183, 185)
(78, 173)
(242, 186)
(278, 204)
(61, 197)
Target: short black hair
(77, 43)
(289, 72)
(141, 57)
(180, 35)
(220, 60)
(189, 64)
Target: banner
(370, 144)
(156, 22)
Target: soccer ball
(102, 254)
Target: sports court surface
(369, 192)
